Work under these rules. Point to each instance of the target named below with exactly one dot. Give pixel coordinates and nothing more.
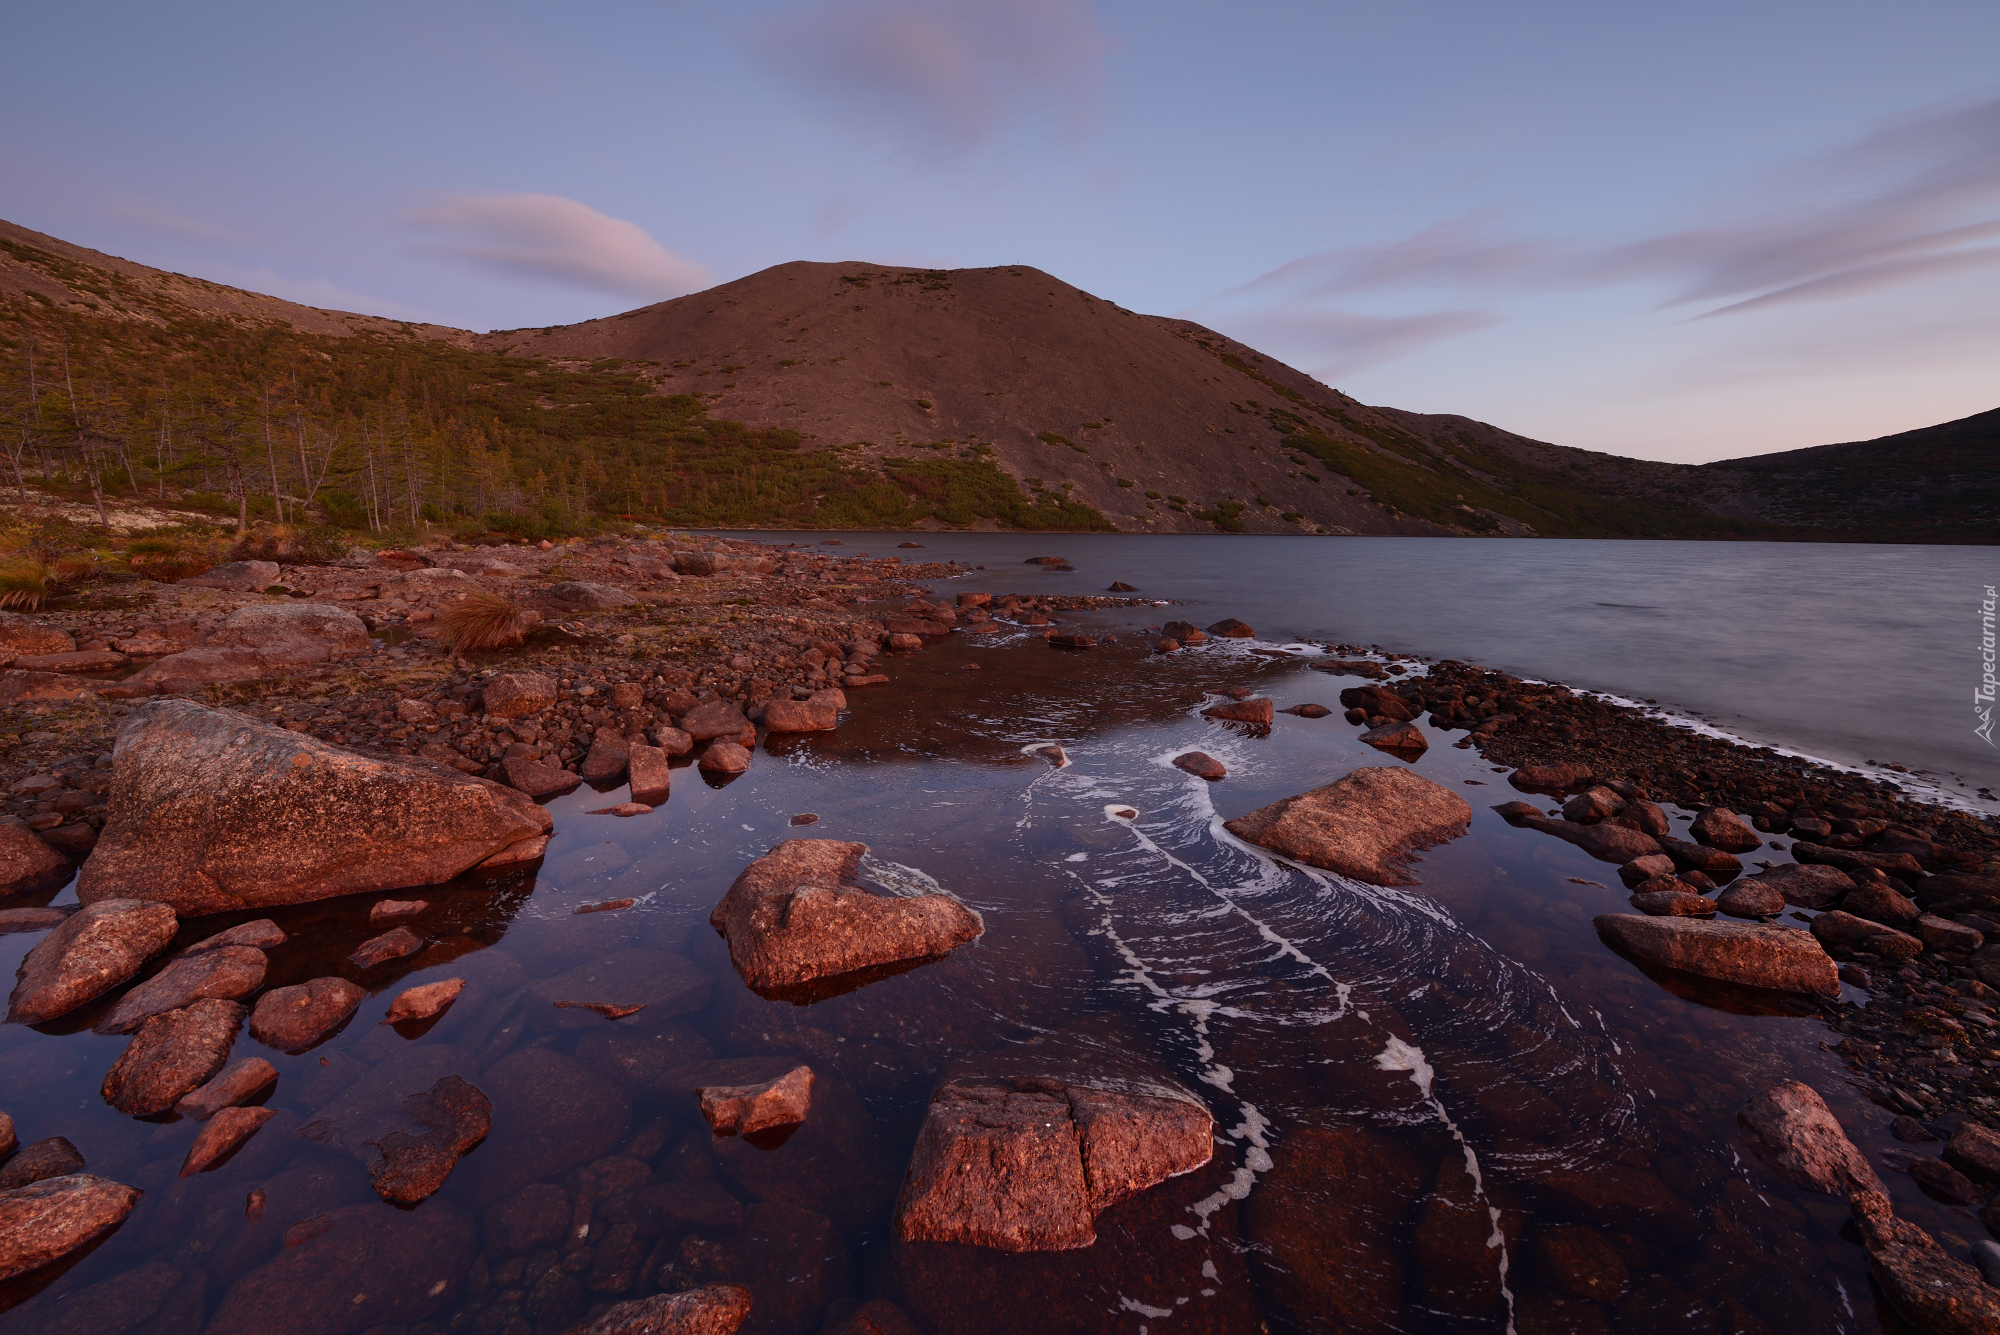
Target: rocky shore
(318, 718)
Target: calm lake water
(1443, 1108)
(1862, 655)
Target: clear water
(1385, 1067)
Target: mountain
(860, 395)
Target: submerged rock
(350, 1269)
(1752, 954)
(393, 944)
(97, 948)
(171, 1055)
(1673, 903)
(1805, 1143)
(292, 1019)
(1026, 1164)
(654, 981)
(1366, 825)
(715, 1309)
(453, 1117)
(743, 1110)
(47, 1220)
(263, 934)
(423, 1001)
(210, 812)
(795, 920)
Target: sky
(1687, 232)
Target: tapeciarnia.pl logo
(1982, 699)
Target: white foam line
(1401, 1056)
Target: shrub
(482, 620)
(26, 583)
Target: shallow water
(1859, 654)
(1421, 1095)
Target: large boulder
(723, 563)
(1606, 843)
(801, 716)
(1720, 828)
(19, 686)
(23, 638)
(210, 812)
(47, 1220)
(240, 576)
(1900, 865)
(1027, 1164)
(1955, 892)
(1804, 1142)
(1751, 954)
(797, 923)
(1847, 931)
(267, 640)
(28, 864)
(97, 948)
(716, 718)
(1366, 826)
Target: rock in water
(242, 1080)
(1259, 710)
(54, 1157)
(1202, 765)
(48, 1220)
(1937, 1293)
(1751, 899)
(210, 812)
(1805, 1142)
(1229, 628)
(424, 1001)
(1405, 741)
(607, 760)
(27, 864)
(262, 934)
(801, 716)
(655, 981)
(744, 1110)
(1752, 954)
(225, 1131)
(1807, 887)
(1026, 1165)
(1606, 843)
(715, 1309)
(1366, 825)
(98, 948)
(649, 775)
(724, 758)
(1563, 777)
(292, 1019)
(797, 924)
(393, 944)
(350, 1269)
(539, 780)
(454, 1117)
(1835, 928)
(715, 718)
(171, 1055)
(228, 973)
(1719, 828)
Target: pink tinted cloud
(557, 239)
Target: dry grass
(166, 559)
(482, 620)
(25, 584)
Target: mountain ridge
(975, 382)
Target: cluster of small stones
(735, 636)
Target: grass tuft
(26, 583)
(482, 620)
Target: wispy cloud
(557, 239)
(173, 224)
(1914, 200)
(941, 79)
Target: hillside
(851, 395)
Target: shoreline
(755, 635)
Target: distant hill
(856, 395)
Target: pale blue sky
(1685, 231)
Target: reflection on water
(1441, 1108)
